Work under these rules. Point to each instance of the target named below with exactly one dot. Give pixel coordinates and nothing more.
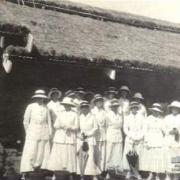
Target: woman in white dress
(100, 117)
(153, 155)
(114, 148)
(172, 129)
(54, 104)
(138, 97)
(134, 132)
(63, 153)
(124, 92)
(37, 125)
(109, 95)
(88, 128)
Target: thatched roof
(85, 37)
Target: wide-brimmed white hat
(111, 89)
(54, 90)
(40, 94)
(175, 104)
(134, 104)
(124, 88)
(84, 104)
(114, 102)
(68, 101)
(138, 95)
(98, 97)
(155, 109)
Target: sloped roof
(84, 37)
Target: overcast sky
(160, 9)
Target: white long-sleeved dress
(37, 124)
(100, 117)
(63, 153)
(153, 157)
(114, 147)
(134, 133)
(88, 126)
(172, 145)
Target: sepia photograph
(90, 90)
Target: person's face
(67, 107)
(134, 110)
(137, 100)
(100, 103)
(40, 100)
(55, 96)
(155, 113)
(115, 108)
(175, 110)
(123, 94)
(85, 109)
(111, 95)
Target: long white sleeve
(27, 117)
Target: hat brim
(127, 90)
(173, 106)
(134, 106)
(63, 103)
(115, 104)
(155, 109)
(55, 91)
(111, 91)
(40, 96)
(98, 99)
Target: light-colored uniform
(124, 106)
(100, 117)
(134, 131)
(63, 154)
(88, 126)
(37, 124)
(153, 157)
(114, 141)
(107, 104)
(172, 145)
(55, 108)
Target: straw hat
(97, 97)
(40, 94)
(80, 90)
(84, 104)
(67, 101)
(155, 109)
(138, 95)
(124, 88)
(54, 90)
(134, 104)
(175, 104)
(114, 102)
(111, 90)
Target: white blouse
(37, 122)
(134, 128)
(100, 117)
(172, 122)
(154, 131)
(88, 126)
(66, 126)
(114, 127)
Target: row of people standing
(103, 127)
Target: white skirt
(114, 156)
(63, 158)
(153, 160)
(35, 153)
(91, 167)
(100, 155)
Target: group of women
(92, 136)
